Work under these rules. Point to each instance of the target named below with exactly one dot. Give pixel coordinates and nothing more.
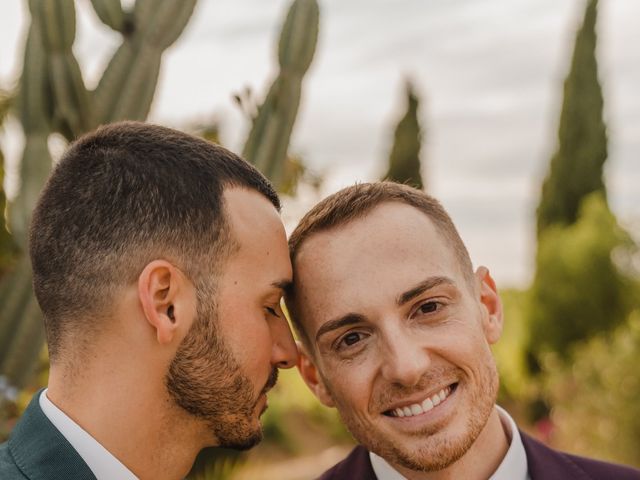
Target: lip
(419, 398)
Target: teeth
(425, 406)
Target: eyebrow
(283, 285)
(354, 318)
(345, 320)
(422, 287)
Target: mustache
(271, 381)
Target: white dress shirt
(101, 462)
(512, 467)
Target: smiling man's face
(399, 336)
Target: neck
(129, 412)
(479, 462)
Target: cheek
(246, 332)
(350, 386)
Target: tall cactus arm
(268, 141)
(299, 36)
(34, 170)
(128, 83)
(57, 19)
(162, 21)
(34, 114)
(33, 102)
(16, 297)
(110, 13)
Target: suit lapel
(547, 464)
(41, 452)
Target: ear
(311, 377)
(492, 315)
(167, 300)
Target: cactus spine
(267, 144)
(53, 98)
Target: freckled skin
(394, 352)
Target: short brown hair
(356, 202)
(121, 196)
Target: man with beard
(159, 261)
(396, 331)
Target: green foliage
(404, 160)
(576, 167)
(268, 141)
(596, 410)
(295, 414)
(53, 99)
(216, 464)
(578, 291)
(510, 350)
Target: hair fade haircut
(356, 202)
(120, 197)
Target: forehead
(362, 266)
(258, 230)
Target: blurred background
(521, 116)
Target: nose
(405, 358)
(284, 352)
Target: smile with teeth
(420, 408)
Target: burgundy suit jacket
(543, 463)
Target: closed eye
(272, 311)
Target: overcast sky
(489, 73)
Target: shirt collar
(512, 467)
(101, 462)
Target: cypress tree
(404, 160)
(576, 167)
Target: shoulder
(546, 463)
(355, 465)
(8, 468)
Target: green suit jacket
(37, 450)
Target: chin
(244, 443)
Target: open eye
(349, 340)
(428, 307)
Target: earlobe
(492, 318)
(311, 377)
(160, 286)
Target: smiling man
(396, 329)
(159, 261)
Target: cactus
(57, 22)
(111, 14)
(7, 245)
(404, 160)
(53, 98)
(126, 88)
(266, 146)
